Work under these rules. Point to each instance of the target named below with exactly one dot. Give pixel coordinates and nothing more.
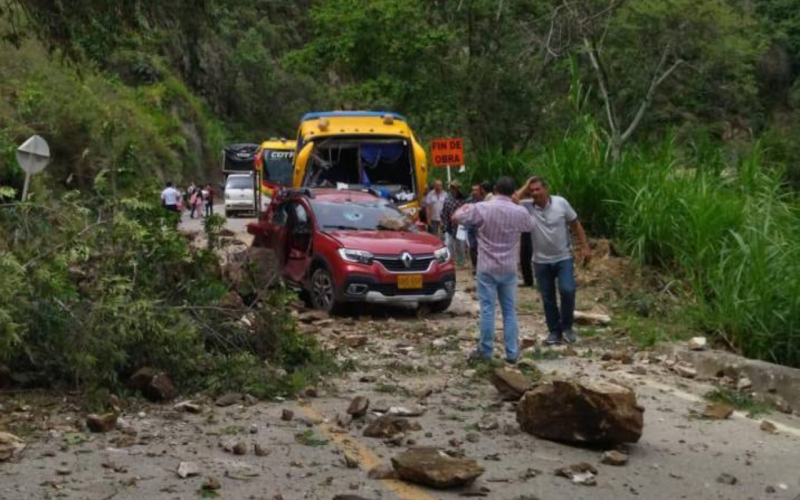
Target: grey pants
(436, 228)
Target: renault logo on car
(406, 258)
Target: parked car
(341, 247)
(240, 195)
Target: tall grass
(731, 232)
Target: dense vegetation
(673, 125)
(95, 287)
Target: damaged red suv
(341, 247)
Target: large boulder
(582, 411)
(434, 468)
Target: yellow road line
(366, 458)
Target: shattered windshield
(365, 216)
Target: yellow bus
(275, 164)
(373, 150)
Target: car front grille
(419, 263)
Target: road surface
(399, 359)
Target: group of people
(198, 200)
(500, 226)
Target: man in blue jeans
(499, 222)
(553, 218)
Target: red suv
(342, 246)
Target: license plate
(409, 281)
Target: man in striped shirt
(500, 222)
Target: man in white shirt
(553, 220)
(169, 197)
(434, 203)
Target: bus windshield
(278, 168)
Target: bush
(89, 295)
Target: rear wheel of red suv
(323, 292)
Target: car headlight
(442, 255)
(227, 195)
(360, 256)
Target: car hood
(388, 242)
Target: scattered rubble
(211, 484)
(581, 473)
(684, 370)
(726, 478)
(188, 407)
(717, 411)
(228, 399)
(511, 384)
(358, 406)
(10, 446)
(188, 469)
(769, 427)
(697, 343)
(287, 415)
(614, 457)
(434, 468)
(101, 423)
(582, 411)
(155, 385)
(388, 426)
(744, 383)
(592, 319)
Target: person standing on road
(434, 203)
(169, 197)
(500, 222)
(453, 202)
(196, 202)
(553, 264)
(209, 199)
(476, 196)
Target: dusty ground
(398, 358)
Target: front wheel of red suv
(440, 306)
(323, 291)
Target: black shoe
(570, 336)
(553, 339)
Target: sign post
(448, 152)
(33, 156)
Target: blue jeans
(546, 276)
(490, 289)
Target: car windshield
(239, 182)
(362, 216)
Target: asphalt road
(394, 358)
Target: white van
(240, 194)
